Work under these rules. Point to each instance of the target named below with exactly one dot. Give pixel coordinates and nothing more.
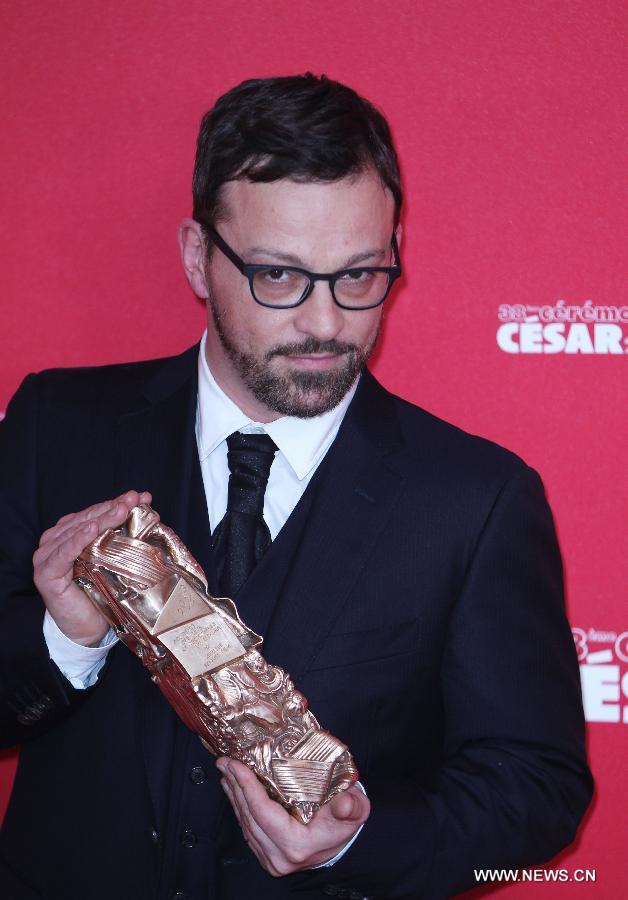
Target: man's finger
(129, 499)
(75, 537)
(262, 846)
(56, 559)
(247, 820)
(94, 527)
(349, 806)
(271, 817)
(232, 800)
(83, 515)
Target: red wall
(510, 118)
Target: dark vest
(197, 831)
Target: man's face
(298, 361)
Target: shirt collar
(303, 442)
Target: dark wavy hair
(304, 127)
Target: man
(412, 588)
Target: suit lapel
(352, 497)
(156, 439)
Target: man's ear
(398, 233)
(192, 248)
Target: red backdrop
(510, 119)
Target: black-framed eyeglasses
(283, 287)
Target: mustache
(311, 345)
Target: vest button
(154, 836)
(197, 775)
(188, 838)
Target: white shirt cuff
(341, 853)
(79, 664)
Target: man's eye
(356, 275)
(275, 274)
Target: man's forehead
(301, 188)
(359, 204)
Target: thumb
(349, 806)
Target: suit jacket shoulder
(113, 386)
(445, 445)
(443, 467)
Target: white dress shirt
(301, 443)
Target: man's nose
(319, 316)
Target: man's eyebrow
(292, 260)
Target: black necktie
(242, 537)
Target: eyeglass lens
(285, 287)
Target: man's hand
(281, 844)
(53, 564)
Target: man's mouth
(314, 361)
(313, 355)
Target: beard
(301, 394)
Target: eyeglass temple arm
(237, 261)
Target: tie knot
(250, 457)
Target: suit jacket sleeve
(513, 784)
(34, 695)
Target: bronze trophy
(208, 664)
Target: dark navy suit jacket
(415, 595)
